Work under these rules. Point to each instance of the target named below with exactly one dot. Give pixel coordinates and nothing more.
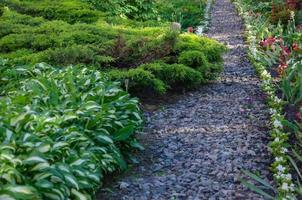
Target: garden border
(280, 167)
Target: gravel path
(196, 147)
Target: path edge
(280, 167)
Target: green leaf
(44, 148)
(256, 189)
(34, 159)
(6, 197)
(40, 166)
(71, 180)
(78, 162)
(22, 192)
(295, 166)
(137, 145)
(78, 195)
(258, 179)
(124, 133)
(52, 196)
(15, 121)
(44, 184)
(70, 117)
(104, 139)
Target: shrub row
(27, 39)
(184, 68)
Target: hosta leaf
(44, 148)
(9, 135)
(121, 162)
(84, 184)
(40, 166)
(7, 156)
(58, 145)
(6, 197)
(44, 184)
(7, 147)
(40, 84)
(93, 107)
(78, 162)
(42, 175)
(94, 177)
(70, 117)
(52, 196)
(124, 133)
(64, 168)
(56, 179)
(79, 173)
(71, 180)
(78, 195)
(34, 159)
(119, 123)
(60, 193)
(23, 192)
(138, 117)
(15, 121)
(104, 139)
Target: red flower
(286, 51)
(190, 29)
(295, 47)
(271, 40)
(268, 41)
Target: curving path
(196, 147)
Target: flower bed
(279, 138)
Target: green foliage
(175, 75)
(132, 9)
(186, 12)
(32, 36)
(60, 43)
(211, 48)
(71, 11)
(138, 80)
(194, 59)
(62, 131)
(299, 17)
(291, 84)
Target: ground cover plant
(62, 131)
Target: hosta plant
(61, 132)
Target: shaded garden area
(74, 74)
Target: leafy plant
(291, 83)
(62, 131)
(138, 80)
(175, 75)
